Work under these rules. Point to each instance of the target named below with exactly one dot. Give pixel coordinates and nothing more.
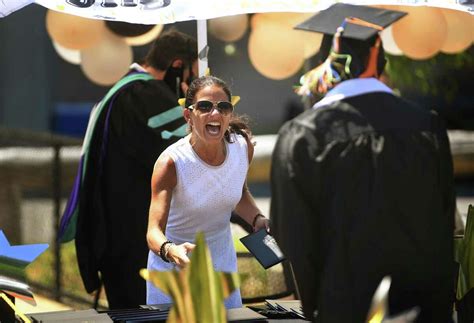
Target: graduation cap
(360, 22)
(351, 44)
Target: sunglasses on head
(205, 106)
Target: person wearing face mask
(128, 130)
(198, 182)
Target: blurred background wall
(36, 84)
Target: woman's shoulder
(178, 148)
(238, 138)
(180, 144)
(245, 144)
(164, 172)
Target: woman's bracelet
(163, 251)
(255, 219)
(167, 250)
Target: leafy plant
(198, 292)
(443, 75)
(465, 257)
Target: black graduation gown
(115, 200)
(363, 188)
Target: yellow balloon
(275, 52)
(229, 28)
(459, 36)
(108, 61)
(421, 33)
(74, 32)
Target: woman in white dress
(197, 183)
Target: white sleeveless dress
(203, 200)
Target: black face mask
(174, 77)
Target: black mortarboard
(327, 21)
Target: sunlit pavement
(43, 304)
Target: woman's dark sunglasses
(205, 106)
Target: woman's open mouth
(213, 128)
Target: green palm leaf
(198, 292)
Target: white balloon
(145, 38)
(388, 42)
(72, 56)
(108, 61)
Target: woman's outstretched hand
(178, 254)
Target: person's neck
(157, 74)
(212, 154)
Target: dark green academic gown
(136, 124)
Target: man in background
(127, 131)
(362, 184)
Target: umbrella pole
(202, 46)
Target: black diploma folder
(264, 247)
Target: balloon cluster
(449, 31)
(277, 51)
(101, 48)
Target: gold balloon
(145, 38)
(460, 31)
(255, 20)
(290, 19)
(108, 61)
(230, 28)
(421, 33)
(311, 41)
(74, 32)
(387, 6)
(275, 52)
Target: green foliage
(42, 273)
(465, 257)
(239, 246)
(198, 292)
(256, 281)
(12, 270)
(442, 75)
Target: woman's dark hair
(170, 46)
(238, 124)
